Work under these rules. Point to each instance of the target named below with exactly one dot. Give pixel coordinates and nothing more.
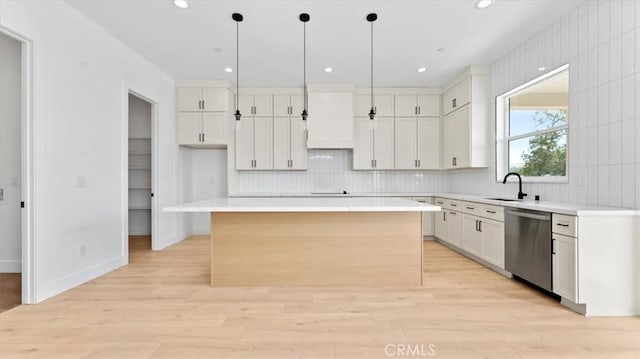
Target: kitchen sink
(504, 199)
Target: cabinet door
(244, 144)
(281, 106)
(214, 100)
(429, 105)
(447, 103)
(361, 106)
(454, 228)
(428, 218)
(214, 128)
(462, 138)
(263, 105)
(493, 242)
(189, 99)
(246, 106)
(383, 153)
(441, 225)
(449, 139)
(471, 235)
(383, 105)
(405, 143)
(428, 143)
(263, 143)
(462, 92)
(189, 128)
(362, 144)
(281, 143)
(297, 105)
(298, 144)
(565, 267)
(406, 105)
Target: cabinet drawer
(472, 208)
(563, 224)
(440, 202)
(454, 205)
(492, 212)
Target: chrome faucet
(520, 194)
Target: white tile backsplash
(601, 42)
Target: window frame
(503, 137)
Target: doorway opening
(10, 172)
(140, 176)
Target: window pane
(523, 121)
(541, 155)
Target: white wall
(204, 176)
(10, 155)
(82, 76)
(331, 171)
(601, 42)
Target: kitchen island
(374, 242)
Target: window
(532, 125)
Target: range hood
(330, 121)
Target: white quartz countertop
(304, 204)
(546, 206)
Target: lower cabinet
(492, 242)
(454, 225)
(565, 266)
(442, 231)
(472, 237)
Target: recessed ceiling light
(541, 68)
(328, 69)
(422, 69)
(183, 4)
(440, 49)
(483, 4)
(228, 69)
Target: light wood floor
(10, 291)
(161, 306)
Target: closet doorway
(140, 175)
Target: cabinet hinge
(22, 204)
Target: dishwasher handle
(541, 217)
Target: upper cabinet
(466, 120)
(203, 115)
(373, 144)
(382, 104)
(417, 105)
(256, 105)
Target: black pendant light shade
(304, 17)
(238, 19)
(372, 17)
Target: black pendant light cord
(371, 18)
(304, 61)
(237, 18)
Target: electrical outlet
(83, 250)
(81, 181)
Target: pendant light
(304, 17)
(237, 18)
(372, 17)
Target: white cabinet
(203, 115)
(330, 116)
(472, 235)
(383, 105)
(466, 121)
(202, 99)
(564, 269)
(457, 139)
(288, 105)
(256, 105)
(254, 144)
(454, 226)
(428, 218)
(457, 96)
(289, 143)
(417, 105)
(492, 242)
(441, 225)
(373, 147)
(417, 143)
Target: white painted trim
(75, 279)
(204, 83)
(28, 143)
(10, 266)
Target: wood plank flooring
(10, 290)
(161, 306)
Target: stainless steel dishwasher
(528, 246)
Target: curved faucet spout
(521, 195)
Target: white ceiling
(183, 42)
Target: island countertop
(301, 204)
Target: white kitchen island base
(362, 242)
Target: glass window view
(537, 129)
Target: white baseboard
(10, 266)
(67, 282)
